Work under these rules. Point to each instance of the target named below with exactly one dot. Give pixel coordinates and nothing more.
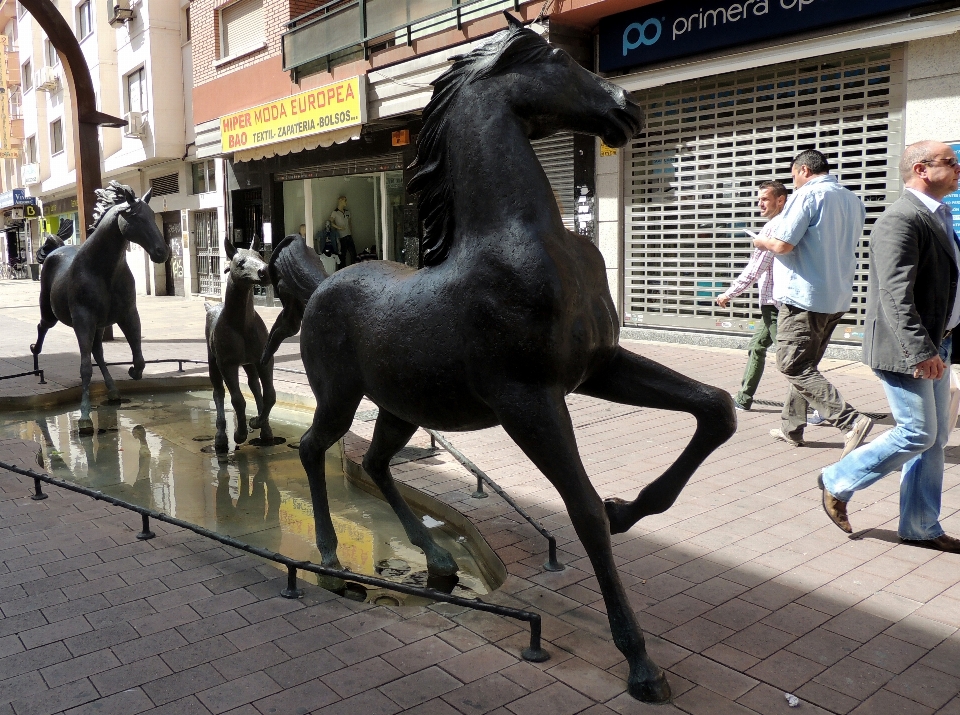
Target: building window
(84, 19)
(30, 150)
(56, 136)
(50, 54)
(241, 28)
(26, 76)
(204, 176)
(136, 91)
(186, 21)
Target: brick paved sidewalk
(744, 588)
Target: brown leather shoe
(835, 509)
(941, 543)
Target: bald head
(931, 168)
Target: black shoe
(941, 543)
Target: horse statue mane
(514, 46)
(115, 194)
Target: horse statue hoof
(618, 515)
(221, 445)
(33, 349)
(113, 397)
(652, 690)
(240, 437)
(135, 372)
(441, 564)
(255, 422)
(85, 426)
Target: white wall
(933, 89)
(609, 224)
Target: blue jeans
(922, 411)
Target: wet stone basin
(157, 451)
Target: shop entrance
(690, 179)
(173, 268)
(366, 229)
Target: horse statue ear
(146, 197)
(257, 244)
(512, 22)
(229, 248)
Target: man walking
(771, 197)
(912, 309)
(815, 240)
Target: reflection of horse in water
(510, 314)
(256, 513)
(90, 286)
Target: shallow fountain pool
(157, 451)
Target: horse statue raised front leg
(509, 315)
(236, 336)
(90, 286)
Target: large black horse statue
(295, 272)
(510, 313)
(90, 286)
(236, 335)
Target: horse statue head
(540, 87)
(246, 266)
(118, 204)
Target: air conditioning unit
(135, 124)
(119, 12)
(46, 79)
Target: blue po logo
(643, 34)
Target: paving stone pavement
(744, 589)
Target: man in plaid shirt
(771, 197)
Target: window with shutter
(241, 27)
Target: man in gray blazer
(912, 309)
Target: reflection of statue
(235, 337)
(295, 272)
(257, 510)
(510, 313)
(90, 286)
(341, 223)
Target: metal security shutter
(690, 180)
(241, 27)
(556, 157)
(165, 185)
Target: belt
(947, 333)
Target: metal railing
(534, 653)
(338, 26)
(35, 371)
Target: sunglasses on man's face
(951, 162)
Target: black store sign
(670, 29)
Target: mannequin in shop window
(328, 254)
(340, 221)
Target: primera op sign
(337, 105)
(669, 29)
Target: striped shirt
(759, 270)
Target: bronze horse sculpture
(509, 315)
(295, 272)
(236, 336)
(90, 286)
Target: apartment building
(139, 58)
(256, 60)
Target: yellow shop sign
(333, 106)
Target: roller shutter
(556, 157)
(690, 180)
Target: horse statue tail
(295, 269)
(50, 244)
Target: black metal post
(42, 381)
(291, 591)
(535, 653)
(145, 533)
(38, 494)
(179, 365)
(36, 362)
(552, 564)
(479, 494)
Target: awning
(337, 136)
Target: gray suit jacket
(913, 282)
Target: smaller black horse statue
(295, 271)
(235, 338)
(90, 286)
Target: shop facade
(675, 204)
(18, 212)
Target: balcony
(16, 132)
(345, 29)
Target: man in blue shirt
(815, 245)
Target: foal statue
(509, 315)
(236, 335)
(90, 286)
